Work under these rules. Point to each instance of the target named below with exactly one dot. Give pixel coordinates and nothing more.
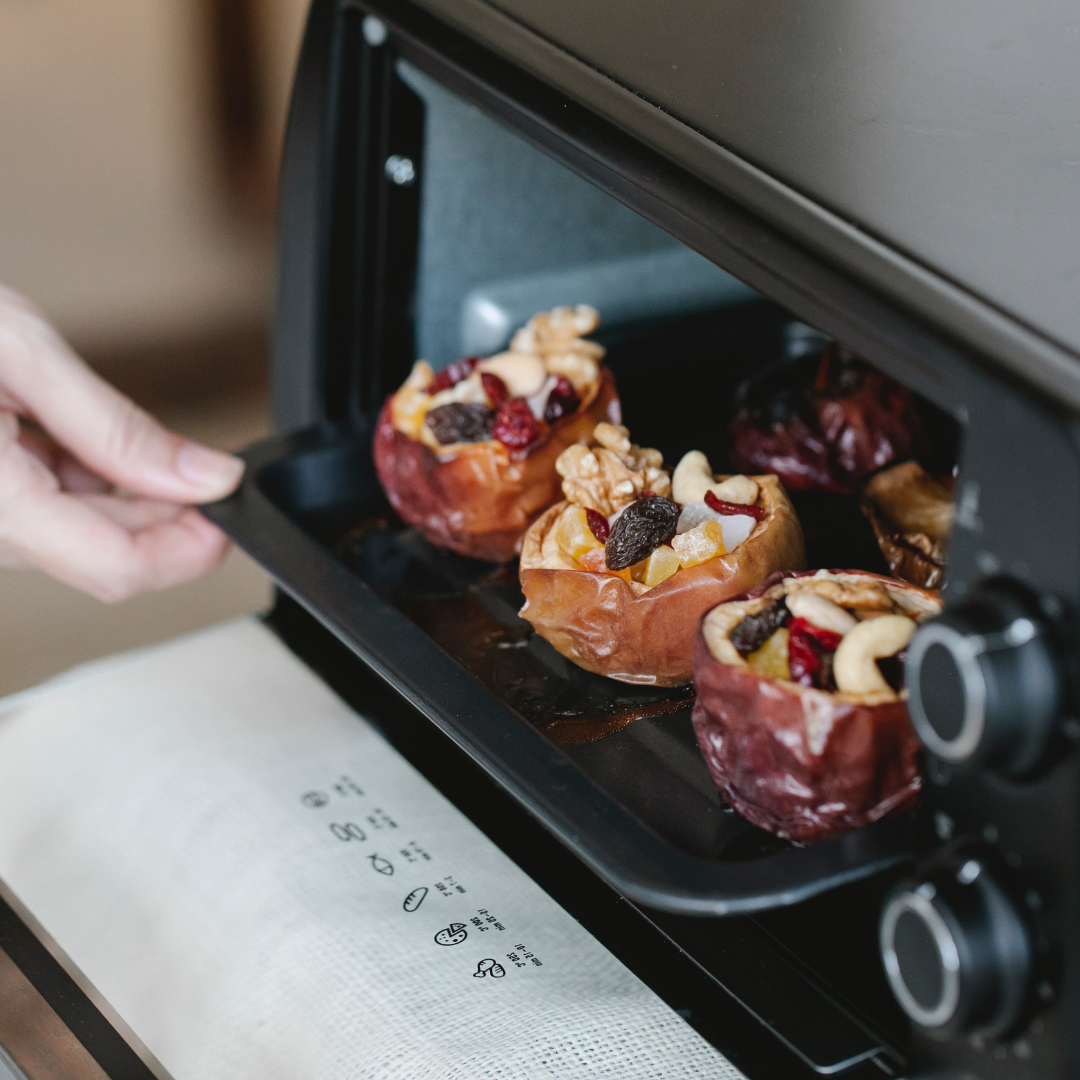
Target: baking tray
(612, 770)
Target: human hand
(59, 511)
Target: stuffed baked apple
(823, 422)
(911, 512)
(800, 711)
(467, 456)
(617, 575)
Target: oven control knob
(957, 954)
(984, 680)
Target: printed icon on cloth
(315, 799)
(454, 934)
(489, 967)
(415, 898)
(384, 866)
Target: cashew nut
(523, 374)
(737, 489)
(853, 665)
(817, 610)
(693, 477)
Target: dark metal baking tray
(612, 770)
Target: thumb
(104, 429)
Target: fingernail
(213, 473)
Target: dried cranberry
(457, 422)
(827, 639)
(452, 374)
(494, 387)
(515, 426)
(755, 630)
(758, 513)
(598, 524)
(645, 493)
(810, 654)
(804, 660)
(641, 528)
(562, 401)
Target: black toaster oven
(730, 185)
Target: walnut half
(611, 475)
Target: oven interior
(443, 231)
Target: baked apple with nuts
(467, 456)
(911, 512)
(617, 575)
(800, 710)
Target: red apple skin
(597, 621)
(480, 499)
(797, 761)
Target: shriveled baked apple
(821, 423)
(911, 512)
(467, 456)
(617, 575)
(800, 713)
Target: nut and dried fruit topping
(612, 474)
(452, 374)
(758, 513)
(561, 401)
(599, 525)
(844, 631)
(641, 528)
(494, 387)
(515, 426)
(460, 423)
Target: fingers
(71, 473)
(104, 429)
(109, 547)
(113, 552)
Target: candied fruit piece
(660, 565)
(772, 658)
(452, 374)
(515, 426)
(459, 422)
(700, 544)
(573, 533)
(562, 401)
(642, 527)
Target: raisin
(452, 374)
(494, 387)
(758, 513)
(641, 528)
(456, 423)
(515, 426)
(562, 401)
(598, 524)
(755, 630)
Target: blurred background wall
(138, 154)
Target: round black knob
(957, 954)
(984, 680)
